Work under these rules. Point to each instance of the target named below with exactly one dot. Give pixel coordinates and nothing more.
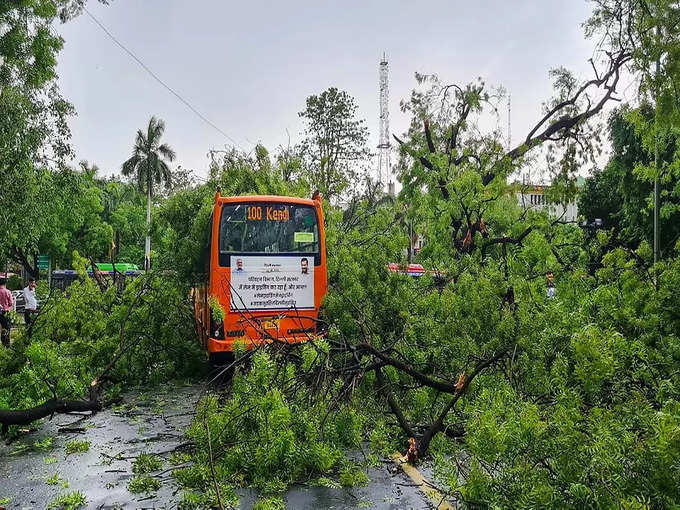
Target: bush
(267, 437)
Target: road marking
(439, 500)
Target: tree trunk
(52, 406)
(17, 254)
(147, 244)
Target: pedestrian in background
(6, 305)
(30, 305)
(550, 286)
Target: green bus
(63, 278)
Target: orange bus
(265, 264)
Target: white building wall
(538, 202)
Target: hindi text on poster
(272, 283)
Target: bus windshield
(266, 227)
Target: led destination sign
(260, 213)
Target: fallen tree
(93, 342)
(49, 408)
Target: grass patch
(50, 460)
(53, 480)
(69, 501)
(77, 446)
(46, 443)
(147, 463)
(144, 483)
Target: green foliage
(179, 458)
(334, 146)
(78, 333)
(144, 483)
(268, 437)
(53, 480)
(147, 463)
(77, 446)
(352, 477)
(147, 163)
(47, 443)
(216, 309)
(33, 127)
(68, 501)
(270, 503)
(208, 499)
(622, 193)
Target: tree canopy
(516, 396)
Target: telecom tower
(509, 125)
(384, 146)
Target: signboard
(272, 283)
(43, 261)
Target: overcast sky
(248, 66)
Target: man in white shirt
(30, 304)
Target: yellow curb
(439, 500)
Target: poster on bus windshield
(272, 283)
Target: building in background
(535, 196)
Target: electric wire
(160, 81)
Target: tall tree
(34, 134)
(650, 30)
(335, 141)
(148, 165)
(622, 194)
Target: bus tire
(222, 358)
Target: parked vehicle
(63, 278)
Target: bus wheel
(221, 363)
(221, 359)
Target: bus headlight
(216, 329)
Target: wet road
(36, 469)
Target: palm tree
(148, 164)
(90, 171)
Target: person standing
(30, 305)
(550, 286)
(6, 305)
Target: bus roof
(266, 198)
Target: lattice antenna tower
(384, 145)
(509, 126)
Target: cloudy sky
(248, 66)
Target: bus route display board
(272, 283)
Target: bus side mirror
(316, 196)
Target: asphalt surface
(154, 423)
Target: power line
(157, 78)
